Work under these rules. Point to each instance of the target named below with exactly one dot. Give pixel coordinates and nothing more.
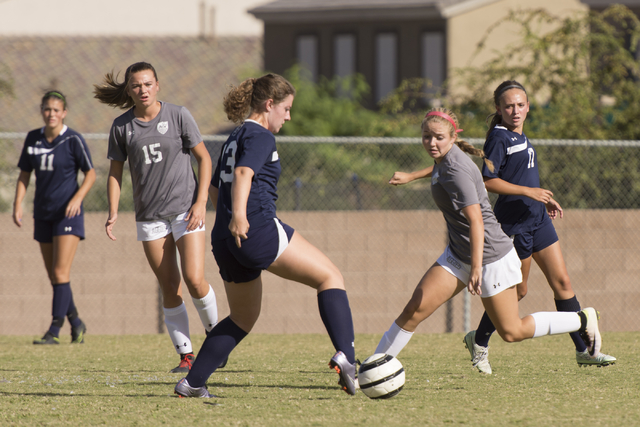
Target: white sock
(177, 322)
(394, 340)
(207, 309)
(555, 322)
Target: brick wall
(382, 255)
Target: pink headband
(445, 116)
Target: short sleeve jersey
(455, 184)
(56, 166)
(252, 146)
(514, 160)
(164, 183)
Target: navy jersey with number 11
(252, 146)
(56, 166)
(515, 161)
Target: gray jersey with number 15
(164, 183)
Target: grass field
(284, 380)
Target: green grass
(283, 380)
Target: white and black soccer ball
(381, 376)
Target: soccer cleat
(347, 372)
(77, 334)
(186, 360)
(479, 354)
(183, 389)
(584, 359)
(589, 331)
(48, 338)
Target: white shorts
(496, 277)
(157, 229)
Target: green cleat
(77, 334)
(584, 359)
(48, 338)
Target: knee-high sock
(336, 316)
(72, 311)
(572, 304)
(207, 309)
(484, 331)
(61, 296)
(220, 342)
(555, 322)
(394, 340)
(177, 321)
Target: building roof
(284, 11)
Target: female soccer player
(248, 237)
(525, 211)
(56, 152)
(479, 256)
(158, 139)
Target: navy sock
(72, 311)
(61, 295)
(336, 316)
(484, 331)
(572, 304)
(220, 342)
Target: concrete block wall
(381, 254)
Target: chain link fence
(333, 191)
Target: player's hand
(111, 221)
(475, 280)
(239, 228)
(554, 209)
(17, 216)
(74, 207)
(196, 215)
(400, 178)
(540, 195)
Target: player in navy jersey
(479, 256)
(56, 153)
(158, 139)
(248, 237)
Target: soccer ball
(381, 376)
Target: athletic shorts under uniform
(496, 277)
(154, 230)
(541, 237)
(45, 230)
(261, 248)
(524, 219)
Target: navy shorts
(43, 231)
(258, 252)
(535, 240)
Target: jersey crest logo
(163, 127)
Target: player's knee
(510, 335)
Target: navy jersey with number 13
(515, 161)
(252, 146)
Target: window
(433, 65)
(307, 54)
(386, 64)
(344, 61)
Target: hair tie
(506, 88)
(445, 116)
(56, 94)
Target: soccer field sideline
(285, 380)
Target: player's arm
(114, 185)
(73, 207)
(198, 211)
(473, 213)
(500, 186)
(213, 195)
(21, 190)
(400, 178)
(240, 189)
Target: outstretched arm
(500, 186)
(400, 178)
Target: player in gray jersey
(479, 257)
(158, 138)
